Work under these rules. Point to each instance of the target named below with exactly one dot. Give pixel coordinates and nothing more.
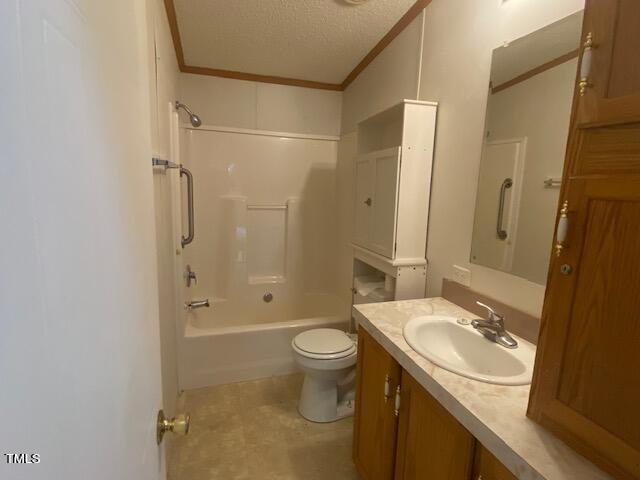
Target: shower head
(193, 118)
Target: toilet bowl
(327, 357)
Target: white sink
(463, 350)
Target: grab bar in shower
(159, 162)
(189, 238)
(500, 232)
(267, 206)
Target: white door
(363, 201)
(501, 161)
(79, 347)
(386, 167)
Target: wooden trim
(253, 77)
(400, 25)
(175, 31)
(535, 71)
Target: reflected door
(494, 230)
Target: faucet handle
(190, 276)
(493, 315)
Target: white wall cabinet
(391, 212)
(393, 181)
(377, 200)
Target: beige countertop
(494, 414)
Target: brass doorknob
(179, 425)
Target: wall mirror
(526, 128)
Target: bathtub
(215, 349)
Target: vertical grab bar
(189, 238)
(500, 232)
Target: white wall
(459, 38)
(392, 76)
(163, 90)
(262, 106)
(539, 109)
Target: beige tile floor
(252, 430)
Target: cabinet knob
(585, 66)
(561, 231)
(387, 388)
(368, 201)
(396, 411)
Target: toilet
(327, 356)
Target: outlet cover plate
(462, 275)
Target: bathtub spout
(197, 304)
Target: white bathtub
(214, 351)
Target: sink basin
(463, 350)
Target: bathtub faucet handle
(190, 276)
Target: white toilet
(328, 357)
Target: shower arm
(193, 118)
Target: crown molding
(400, 25)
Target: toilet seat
(324, 344)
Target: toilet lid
(323, 341)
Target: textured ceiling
(536, 49)
(318, 40)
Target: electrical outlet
(462, 275)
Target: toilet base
(325, 400)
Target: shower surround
(264, 253)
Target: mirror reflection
(526, 128)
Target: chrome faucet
(493, 328)
(194, 304)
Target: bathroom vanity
(416, 420)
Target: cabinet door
(363, 200)
(375, 423)
(432, 444)
(488, 467)
(613, 90)
(586, 385)
(386, 167)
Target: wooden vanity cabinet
(432, 444)
(488, 467)
(375, 422)
(423, 441)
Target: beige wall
(457, 41)
(262, 106)
(392, 76)
(164, 89)
(539, 109)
